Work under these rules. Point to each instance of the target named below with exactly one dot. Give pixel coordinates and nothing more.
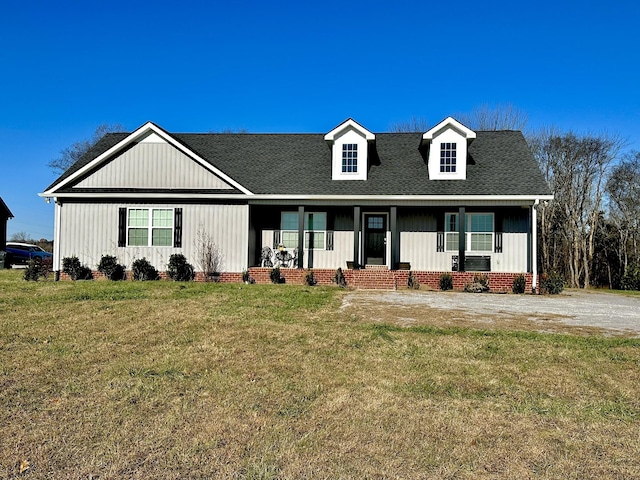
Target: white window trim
(342, 160)
(468, 233)
(150, 226)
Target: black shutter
(122, 227)
(330, 240)
(177, 228)
(276, 238)
(440, 242)
(498, 246)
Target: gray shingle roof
(300, 164)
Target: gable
(153, 164)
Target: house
(5, 214)
(446, 200)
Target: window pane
(139, 217)
(482, 242)
(138, 237)
(318, 240)
(451, 222)
(452, 242)
(289, 239)
(289, 221)
(315, 221)
(162, 218)
(161, 237)
(480, 222)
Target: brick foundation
(378, 278)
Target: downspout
(56, 238)
(534, 245)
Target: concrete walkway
(615, 313)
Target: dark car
(21, 253)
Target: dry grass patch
(170, 380)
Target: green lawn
(183, 380)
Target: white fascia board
(302, 198)
(449, 122)
(135, 136)
(349, 123)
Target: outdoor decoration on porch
(281, 258)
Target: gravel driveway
(614, 313)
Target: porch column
(301, 236)
(395, 238)
(534, 245)
(462, 237)
(356, 237)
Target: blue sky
(199, 66)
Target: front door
(375, 239)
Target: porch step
(377, 278)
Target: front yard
(183, 380)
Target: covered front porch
(432, 237)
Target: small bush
(480, 284)
(76, 271)
(339, 279)
(276, 276)
(413, 282)
(110, 268)
(310, 279)
(552, 283)
(179, 269)
(446, 282)
(36, 268)
(143, 270)
(519, 284)
(247, 278)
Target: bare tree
(576, 168)
(413, 125)
(70, 155)
(623, 189)
(501, 117)
(485, 117)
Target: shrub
(519, 284)
(143, 270)
(310, 279)
(446, 282)
(631, 278)
(480, 284)
(179, 269)
(76, 271)
(413, 282)
(110, 268)
(275, 275)
(339, 279)
(36, 269)
(208, 255)
(552, 283)
(246, 277)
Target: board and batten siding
(153, 165)
(90, 231)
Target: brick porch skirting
(380, 279)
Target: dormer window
(448, 157)
(448, 144)
(350, 143)
(349, 158)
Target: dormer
(349, 144)
(448, 144)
